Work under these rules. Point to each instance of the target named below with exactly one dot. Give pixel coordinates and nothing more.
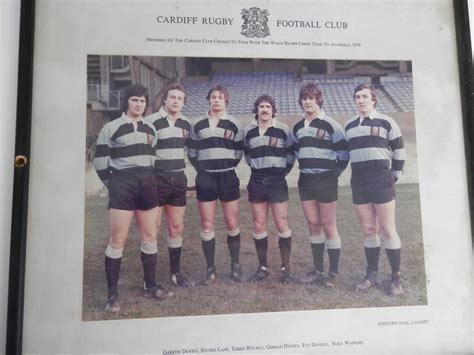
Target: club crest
(374, 131)
(149, 139)
(320, 133)
(228, 134)
(255, 23)
(185, 133)
(273, 141)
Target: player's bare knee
(259, 227)
(281, 225)
(207, 225)
(232, 224)
(369, 229)
(389, 231)
(330, 229)
(175, 228)
(148, 238)
(315, 230)
(148, 235)
(117, 241)
(314, 227)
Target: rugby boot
(157, 292)
(370, 281)
(179, 279)
(395, 285)
(236, 272)
(261, 273)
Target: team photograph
(247, 185)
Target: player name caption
(403, 322)
(303, 346)
(253, 42)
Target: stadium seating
(395, 93)
(400, 89)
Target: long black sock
(261, 245)
(394, 259)
(334, 260)
(234, 247)
(175, 257)
(317, 250)
(372, 256)
(112, 271)
(285, 250)
(209, 247)
(149, 269)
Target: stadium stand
(395, 93)
(400, 89)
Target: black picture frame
(16, 290)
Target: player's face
(217, 101)
(310, 107)
(174, 101)
(364, 102)
(264, 111)
(136, 106)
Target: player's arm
(102, 155)
(187, 139)
(395, 141)
(192, 148)
(290, 152)
(246, 148)
(342, 149)
(239, 144)
(295, 140)
(154, 146)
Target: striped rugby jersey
(375, 142)
(171, 140)
(216, 149)
(123, 144)
(269, 153)
(321, 146)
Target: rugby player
(216, 150)
(321, 150)
(269, 153)
(124, 162)
(377, 157)
(173, 135)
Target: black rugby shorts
(322, 187)
(224, 186)
(267, 188)
(133, 189)
(171, 187)
(376, 186)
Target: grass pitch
(225, 296)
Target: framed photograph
(245, 177)
(282, 79)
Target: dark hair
(366, 86)
(264, 98)
(133, 90)
(310, 90)
(174, 86)
(222, 90)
